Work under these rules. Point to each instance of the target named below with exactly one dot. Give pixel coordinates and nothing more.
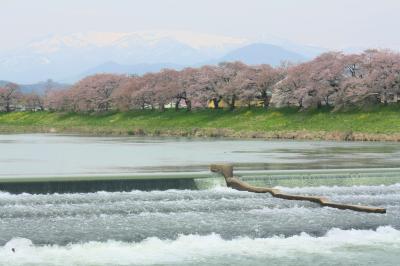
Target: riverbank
(381, 124)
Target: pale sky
(334, 24)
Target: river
(211, 226)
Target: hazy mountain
(67, 58)
(307, 51)
(250, 54)
(115, 68)
(39, 87)
(261, 53)
(62, 56)
(3, 82)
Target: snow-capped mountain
(198, 41)
(67, 58)
(62, 56)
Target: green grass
(239, 123)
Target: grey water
(212, 226)
(41, 155)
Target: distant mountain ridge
(67, 58)
(39, 87)
(138, 69)
(61, 56)
(252, 54)
(262, 53)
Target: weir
(321, 177)
(196, 180)
(227, 171)
(94, 183)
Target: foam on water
(218, 226)
(196, 249)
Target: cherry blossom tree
(230, 78)
(94, 93)
(206, 88)
(59, 100)
(125, 97)
(9, 96)
(332, 79)
(382, 73)
(326, 73)
(293, 89)
(186, 87)
(265, 78)
(353, 65)
(33, 101)
(166, 88)
(247, 87)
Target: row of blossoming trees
(332, 79)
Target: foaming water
(217, 226)
(213, 226)
(137, 215)
(336, 247)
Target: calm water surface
(56, 154)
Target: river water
(212, 226)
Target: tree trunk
(232, 103)
(188, 105)
(235, 183)
(327, 101)
(300, 103)
(265, 99)
(385, 101)
(216, 102)
(266, 102)
(177, 104)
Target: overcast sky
(333, 24)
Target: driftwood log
(233, 182)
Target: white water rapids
(213, 226)
(217, 226)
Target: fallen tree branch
(233, 182)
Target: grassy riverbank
(379, 124)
